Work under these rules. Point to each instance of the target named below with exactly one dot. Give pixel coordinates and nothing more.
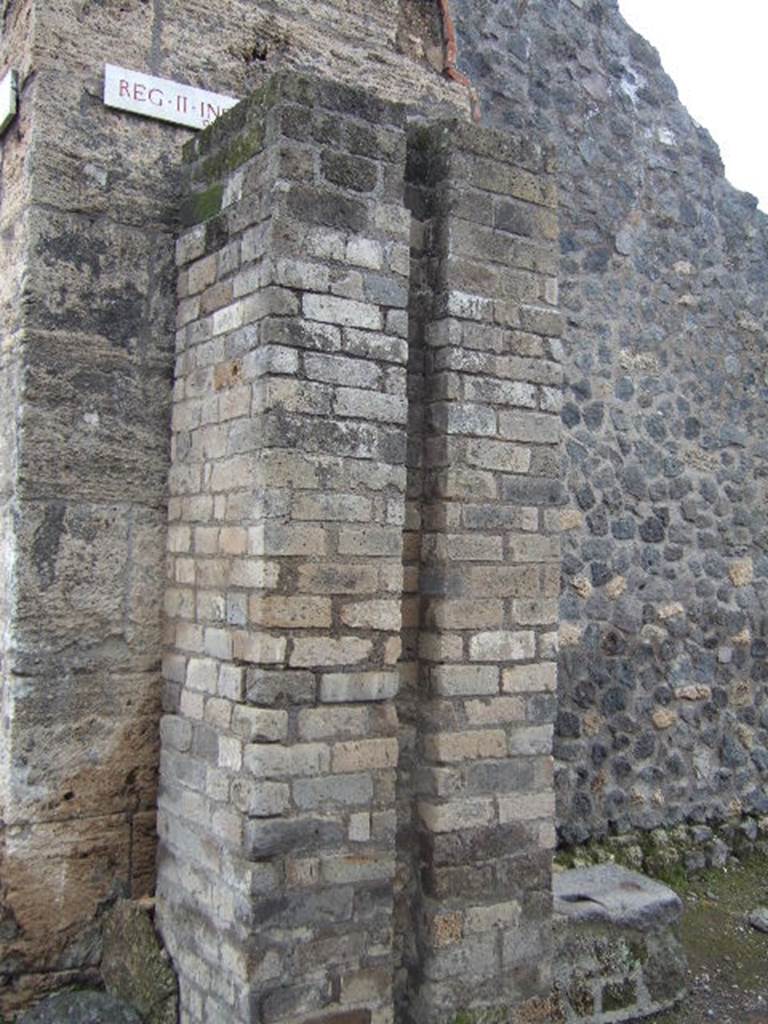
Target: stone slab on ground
(81, 1008)
(614, 895)
(618, 954)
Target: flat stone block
(609, 894)
(618, 952)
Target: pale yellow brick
(232, 404)
(206, 540)
(179, 538)
(468, 547)
(337, 578)
(526, 806)
(530, 678)
(501, 456)
(464, 680)
(532, 548)
(328, 507)
(322, 723)
(472, 613)
(354, 687)
(273, 539)
(202, 675)
(312, 652)
(286, 612)
(448, 747)
(502, 646)
(233, 540)
(201, 274)
(274, 760)
(532, 741)
(457, 815)
(541, 611)
(258, 648)
(253, 572)
(441, 646)
(363, 755)
(497, 710)
(378, 614)
(260, 724)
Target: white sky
(717, 56)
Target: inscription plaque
(162, 98)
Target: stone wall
(663, 713)
(280, 839)
(88, 211)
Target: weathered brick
(502, 646)
(337, 578)
(527, 548)
(326, 722)
(290, 612)
(373, 406)
(530, 678)
(346, 790)
(261, 799)
(522, 807)
(202, 675)
(498, 710)
(259, 725)
(456, 815)
(330, 507)
(274, 761)
(342, 688)
(364, 755)
(378, 614)
(464, 680)
(497, 915)
(448, 747)
(323, 651)
(535, 428)
(370, 540)
(345, 312)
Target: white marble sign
(8, 99)
(162, 99)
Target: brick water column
(489, 572)
(277, 810)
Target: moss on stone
(245, 145)
(202, 206)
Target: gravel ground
(728, 959)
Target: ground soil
(728, 959)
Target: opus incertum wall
(663, 716)
(302, 876)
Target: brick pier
(311, 808)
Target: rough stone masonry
(440, 517)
